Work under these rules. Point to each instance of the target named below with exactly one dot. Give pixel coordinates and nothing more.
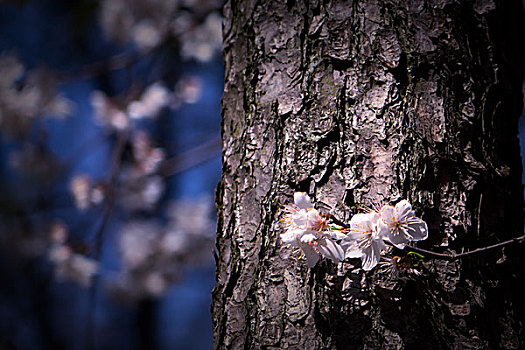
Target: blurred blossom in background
(110, 154)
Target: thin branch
(91, 70)
(115, 62)
(189, 159)
(444, 256)
(99, 236)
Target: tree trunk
(359, 103)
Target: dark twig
(445, 256)
(116, 62)
(99, 236)
(191, 158)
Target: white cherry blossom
(307, 229)
(302, 201)
(310, 231)
(367, 242)
(303, 216)
(399, 224)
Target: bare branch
(99, 236)
(189, 159)
(445, 256)
(116, 62)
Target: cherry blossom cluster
(194, 25)
(156, 254)
(27, 95)
(365, 238)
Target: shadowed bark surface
(360, 103)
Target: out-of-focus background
(109, 157)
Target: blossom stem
(454, 256)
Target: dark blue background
(36, 312)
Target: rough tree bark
(357, 103)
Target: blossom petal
(383, 230)
(331, 250)
(380, 244)
(399, 240)
(307, 237)
(360, 225)
(417, 230)
(302, 200)
(360, 220)
(311, 255)
(387, 215)
(370, 257)
(300, 218)
(353, 252)
(336, 234)
(373, 217)
(403, 210)
(350, 248)
(290, 236)
(314, 218)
